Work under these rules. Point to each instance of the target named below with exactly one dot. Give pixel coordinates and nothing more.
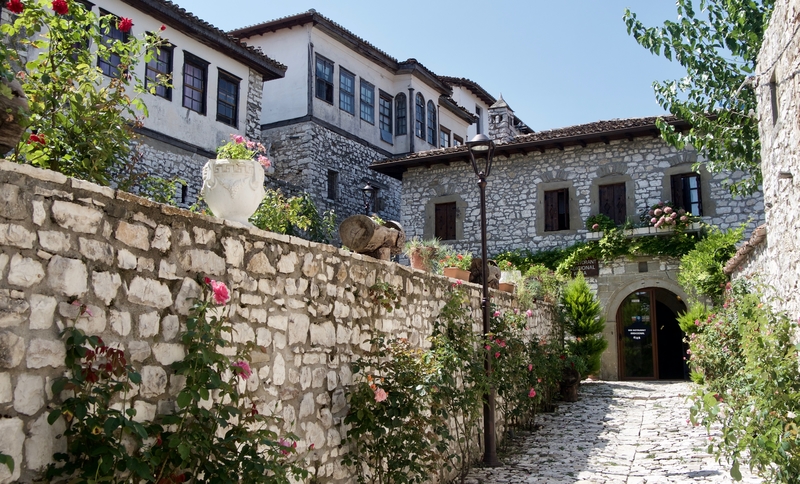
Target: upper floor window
(228, 99)
(347, 91)
(367, 104)
(612, 202)
(195, 80)
(445, 221)
(556, 210)
(432, 127)
(324, 86)
(457, 140)
(401, 120)
(419, 121)
(333, 185)
(109, 63)
(385, 116)
(444, 137)
(157, 70)
(479, 114)
(686, 193)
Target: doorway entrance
(651, 343)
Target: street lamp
(369, 192)
(481, 150)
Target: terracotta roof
(347, 38)
(174, 16)
(582, 134)
(758, 237)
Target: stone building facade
(135, 264)
(773, 257)
(577, 164)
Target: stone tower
(501, 121)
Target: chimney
(501, 121)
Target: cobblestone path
(618, 432)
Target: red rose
(15, 6)
(163, 27)
(125, 25)
(60, 7)
(36, 138)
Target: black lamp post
(368, 192)
(481, 150)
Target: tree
(718, 47)
(583, 321)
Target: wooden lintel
(605, 139)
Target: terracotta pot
(418, 257)
(456, 273)
(507, 287)
(233, 189)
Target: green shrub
(583, 321)
(700, 272)
(296, 216)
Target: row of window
(195, 78)
(425, 126)
(686, 194)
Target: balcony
(645, 231)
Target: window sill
(645, 232)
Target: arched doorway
(651, 345)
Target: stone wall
(305, 152)
(515, 201)
(135, 264)
(777, 261)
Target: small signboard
(589, 267)
(639, 330)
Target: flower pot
(233, 189)
(419, 256)
(507, 287)
(456, 273)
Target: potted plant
(422, 253)
(508, 276)
(572, 369)
(455, 265)
(664, 214)
(233, 183)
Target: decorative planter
(419, 255)
(233, 189)
(507, 287)
(456, 273)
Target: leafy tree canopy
(718, 47)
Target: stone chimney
(501, 121)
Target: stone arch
(618, 296)
(614, 168)
(554, 176)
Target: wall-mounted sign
(589, 267)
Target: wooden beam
(560, 146)
(582, 142)
(605, 139)
(630, 136)
(541, 149)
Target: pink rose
(658, 212)
(595, 226)
(653, 220)
(238, 139)
(497, 314)
(530, 367)
(529, 313)
(497, 355)
(532, 393)
(380, 395)
(244, 369)
(221, 295)
(667, 209)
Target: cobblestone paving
(618, 432)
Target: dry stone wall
(777, 261)
(135, 264)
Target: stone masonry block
(45, 352)
(11, 444)
(133, 235)
(29, 394)
(203, 262)
(43, 441)
(75, 217)
(17, 236)
(12, 349)
(154, 381)
(54, 241)
(12, 311)
(6, 394)
(68, 277)
(148, 324)
(167, 353)
(96, 250)
(106, 285)
(161, 239)
(24, 271)
(149, 292)
(12, 204)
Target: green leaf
(183, 450)
(8, 461)
(735, 472)
(53, 416)
(184, 399)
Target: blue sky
(556, 62)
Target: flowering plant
(450, 258)
(664, 214)
(241, 148)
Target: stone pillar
(501, 121)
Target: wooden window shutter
(445, 221)
(612, 202)
(677, 191)
(550, 211)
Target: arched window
(419, 125)
(400, 110)
(432, 126)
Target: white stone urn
(233, 189)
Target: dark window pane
(556, 210)
(109, 64)
(228, 100)
(324, 84)
(194, 84)
(419, 122)
(385, 118)
(432, 127)
(347, 91)
(686, 193)
(612, 202)
(159, 68)
(400, 112)
(367, 102)
(445, 221)
(333, 185)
